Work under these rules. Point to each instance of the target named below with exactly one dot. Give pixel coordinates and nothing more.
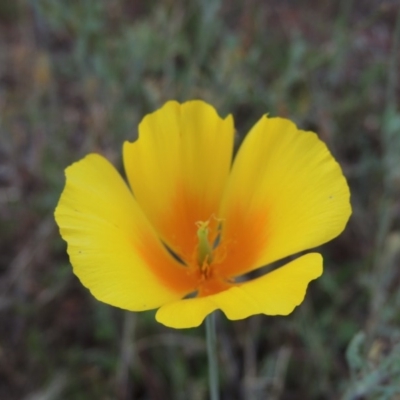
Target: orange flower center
(208, 254)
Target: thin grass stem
(211, 337)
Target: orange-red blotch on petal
(244, 238)
(168, 270)
(179, 224)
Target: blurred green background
(77, 76)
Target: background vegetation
(77, 76)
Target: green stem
(212, 357)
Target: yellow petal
(276, 293)
(112, 247)
(178, 167)
(285, 194)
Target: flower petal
(285, 194)
(178, 167)
(112, 247)
(276, 293)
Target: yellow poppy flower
(192, 224)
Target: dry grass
(77, 76)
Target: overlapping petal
(276, 293)
(112, 247)
(285, 194)
(178, 167)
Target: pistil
(204, 248)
